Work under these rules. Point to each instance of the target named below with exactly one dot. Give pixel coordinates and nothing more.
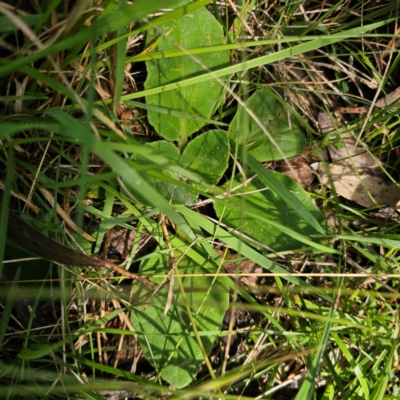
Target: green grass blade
(270, 181)
(245, 250)
(264, 60)
(122, 17)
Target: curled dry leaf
(297, 169)
(365, 186)
(356, 175)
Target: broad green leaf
(286, 134)
(196, 29)
(239, 246)
(173, 193)
(268, 178)
(265, 202)
(170, 342)
(207, 155)
(311, 45)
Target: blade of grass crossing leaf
(201, 99)
(156, 22)
(245, 250)
(267, 177)
(202, 50)
(288, 231)
(137, 183)
(194, 327)
(264, 60)
(153, 156)
(130, 176)
(229, 283)
(173, 113)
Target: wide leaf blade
(196, 29)
(169, 341)
(285, 137)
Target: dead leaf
(297, 169)
(356, 175)
(383, 102)
(326, 122)
(363, 186)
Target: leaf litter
(355, 174)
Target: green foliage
(341, 332)
(284, 137)
(172, 192)
(196, 29)
(266, 203)
(176, 337)
(206, 156)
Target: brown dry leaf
(297, 169)
(122, 240)
(383, 102)
(355, 173)
(364, 186)
(244, 267)
(326, 122)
